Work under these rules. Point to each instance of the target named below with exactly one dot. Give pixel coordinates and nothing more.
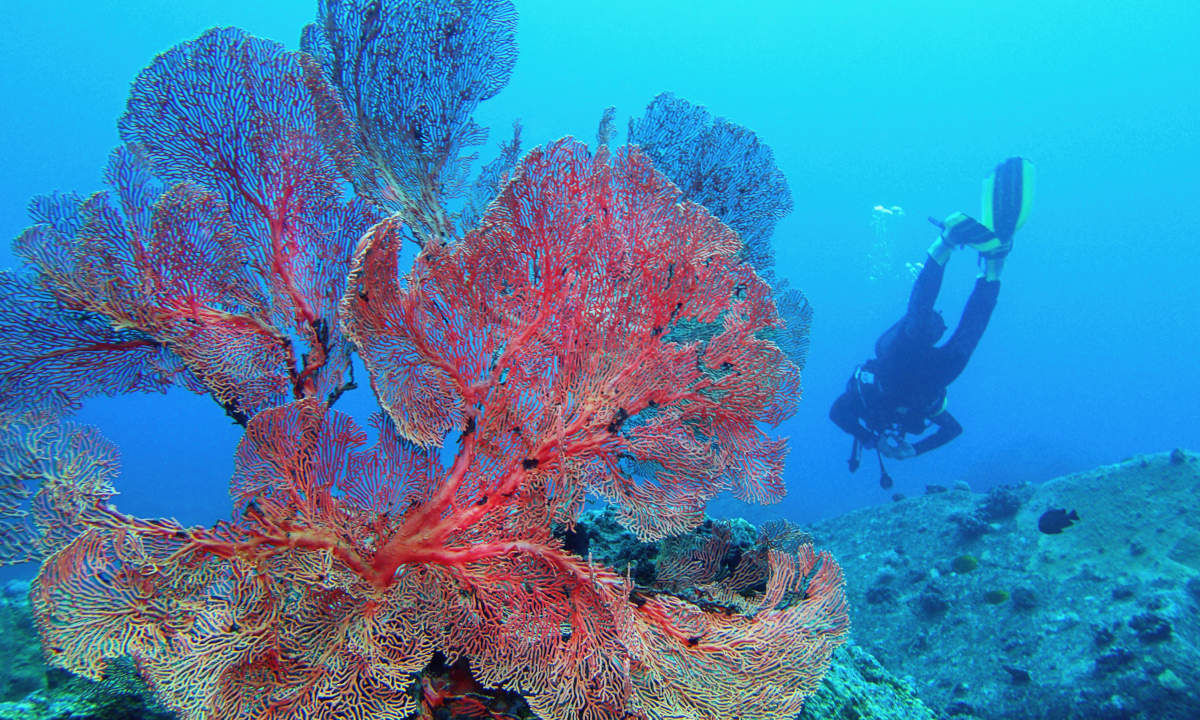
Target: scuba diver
(902, 390)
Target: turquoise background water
(1091, 354)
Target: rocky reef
(989, 618)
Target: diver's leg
(920, 300)
(929, 281)
(940, 251)
(957, 350)
(992, 267)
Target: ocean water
(1090, 356)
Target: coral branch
(222, 239)
(409, 105)
(53, 476)
(720, 165)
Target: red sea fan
(53, 475)
(217, 254)
(552, 327)
(408, 75)
(350, 568)
(596, 332)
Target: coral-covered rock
(1093, 625)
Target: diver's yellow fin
(1008, 196)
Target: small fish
(1052, 522)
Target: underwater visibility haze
(471, 358)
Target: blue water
(1090, 356)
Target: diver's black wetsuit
(904, 386)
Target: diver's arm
(844, 416)
(948, 429)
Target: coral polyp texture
(720, 164)
(596, 332)
(726, 168)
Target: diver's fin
(1008, 197)
(960, 229)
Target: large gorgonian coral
(544, 350)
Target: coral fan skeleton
(588, 330)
